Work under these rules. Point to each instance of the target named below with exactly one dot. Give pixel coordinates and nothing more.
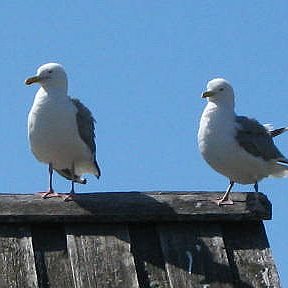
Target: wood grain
(134, 207)
(148, 257)
(51, 256)
(100, 256)
(17, 264)
(135, 240)
(195, 255)
(250, 256)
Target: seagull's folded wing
(256, 140)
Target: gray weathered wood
(86, 242)
(17, 264)
(195, 255)
(100, 256)
(250, 256)
(51, 256)
(134, 207)
(148, 257)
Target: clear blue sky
(141, 66)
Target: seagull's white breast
(53, 132)
(219, 147)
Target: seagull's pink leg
(50, 193)
(70, 196)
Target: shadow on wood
(192, 256)
(51, 256)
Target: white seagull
(61, 129)
(237, 147)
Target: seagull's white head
(50, 75)
(219, 91)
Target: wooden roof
(129, 240)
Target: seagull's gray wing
(256, 140)
(86, 128)
(85, 123)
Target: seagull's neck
(225, 110)
(54, 91)
(50, 96)
(222, 105)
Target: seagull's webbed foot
(49, 194)
(71, 195)
(225, 200)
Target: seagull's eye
(221, 89)
(50, 71)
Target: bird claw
(49, 194)
(68, 197)
(223, 201)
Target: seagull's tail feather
(277, 132)
(283, 161)
(67, 173)
(280, 168)
(97, 168)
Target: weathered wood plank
(250, 256)
(195, 255)
(52, 262)
(148, 257)
(134, 207)
(17, 264)
(100, 256)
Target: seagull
(237, 147)
(61, 129)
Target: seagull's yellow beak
(207, 94)
(32, 80)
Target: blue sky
(141, 66)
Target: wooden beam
(249, 255)
(134, 207)
(51, 257)
(104, 251)
(195, 255)
(148, 257)
(16, 257)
